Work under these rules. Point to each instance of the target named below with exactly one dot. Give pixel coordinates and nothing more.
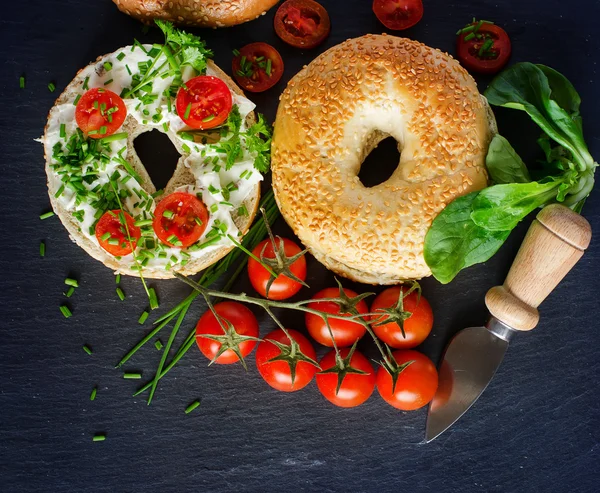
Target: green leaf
(504, 164)
(454, 241)
(526, 87)
(563, 92)
(502, 207)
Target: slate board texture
(536, 428)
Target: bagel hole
(158, 155)
(379, 165)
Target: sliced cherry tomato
(483, 47)
(416, 327)
(244, 324)
(112, 234)
(204, 102)
(398, 14)
(345, 332)
(257, 67)
(416, 384)
(302, 23)
(180, 219)
(282, 287)
(278, 373)
(100, 113)
(355, 389)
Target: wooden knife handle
(554, 243)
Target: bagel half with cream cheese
(230, 191)
(330, 117)
(201, 13)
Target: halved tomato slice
(204, 102)
(100, 113)
(302, 23)
(112, 234)
(257, 67)
(180, 219)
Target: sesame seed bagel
(201, 13)
(335, 111)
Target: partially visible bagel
(181, 176)
(201, 13)
(335, 111)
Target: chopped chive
(143, 317)
(168, 214)
(143, 222)
(46, 215)
(208, 118)
(120, 56)
(105, 236)
(158, 344)
(236, 52)
(51, 86)
(42, 249)
(71, 282)
(87, 349)
(63, 132)
(113, 137)
(188, 109)
(108, 82)
(103, 129)
(70, 292)
(120, 294)
(64, 309)
(98, 437)
(77, 100)
(469, 36)
(153, 298)
(268, 69)
(118, 278)
(198, 221)
(85, 84)
(113, 241)
(93, 394)
(59, 191)
(191, 407)
(108, 66)
(132, 376)
(22, 82)
(128, 69)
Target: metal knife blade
(469, 363)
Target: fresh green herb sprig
(472, 228)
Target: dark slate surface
(534, 430)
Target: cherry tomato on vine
(112, 234)
(416, 327)
(416, 384)
(355, 389)
(278, 374)
(100, 112)
(257, 67)
(244, 323)
(345, 332)
(282, 287)
(180, 219)
(302, 23)
(483, 47)
(398, 14)
(204, 102)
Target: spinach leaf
(504, 164)
(526, 87)
(502, 207)
(454, 241)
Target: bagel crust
(201, 13)
(335, 111)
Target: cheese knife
(554, 243)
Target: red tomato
(416, 385)
(100, 113)
(204, 102)
(283, 287)
(180, 219)
(257, 67)
(416, 327)
(356, 388)
(112, 235)
(302, 23)
(485, 49)
(277, 373)
(345, 332)
(398, 14)
(244, 322)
